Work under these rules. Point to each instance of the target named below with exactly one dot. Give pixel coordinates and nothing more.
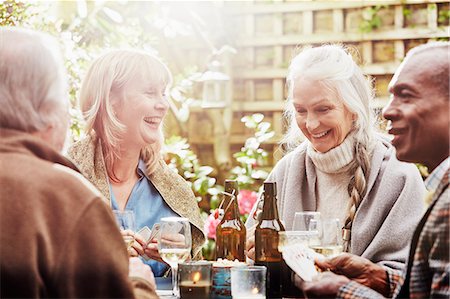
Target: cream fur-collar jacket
(88, 157)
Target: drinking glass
(302, 220)
(248, 282)
(126, 222)
(289, 238)
(330, 237)
(174, 244)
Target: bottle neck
(270, 209)
(232, 210)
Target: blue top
(149, 207)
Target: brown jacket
(57, 238)
(88, 157)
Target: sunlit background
(229, 60)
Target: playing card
(301, 260)
(155, 231)
(145, 233)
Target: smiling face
(320, 115)
(419, 110)
(141, 108)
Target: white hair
(32, 80)
(334, 67)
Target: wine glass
(302, 220)
(330, 237)
(126, 222)
(174, 244)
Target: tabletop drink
(174, 244)
(230, 188)
(330, 239)
(230, 232)
(173, 256)
(279, 282)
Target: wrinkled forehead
(312, 92)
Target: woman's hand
(152, 251)
(137, 248)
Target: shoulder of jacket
(78, 150)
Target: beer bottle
(231, 188)
(266, 242)
(230, 232)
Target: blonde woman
(123, 98)
(344, 169)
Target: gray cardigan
(384, 222)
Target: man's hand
(139, 269)
(358, 269)
(324, 285)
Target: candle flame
(196, 277)
(255, 291)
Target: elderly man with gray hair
(58, 238)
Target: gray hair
(333, 66)
(32, 80)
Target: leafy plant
(371, 19)
(444, 16)
(252, 157)
(184, 161)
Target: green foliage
(407, 12)
(444, 16)
(252, 157)
(184, 161)
(371, 19)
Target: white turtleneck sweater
(333, 177)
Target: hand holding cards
(300, 259)
(149, 234)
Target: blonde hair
(334, 67)
(106, 77)
(33, 85)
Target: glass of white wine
(174, 244)
(330, 237)
(126, 222)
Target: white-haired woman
(123, 98)
(344, 169)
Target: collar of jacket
(87, 154)
(19, 142)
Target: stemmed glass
(174, 244)
(126, 222)
(302, 220)
(330, 237)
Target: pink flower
(211, 224)
(246, 200)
